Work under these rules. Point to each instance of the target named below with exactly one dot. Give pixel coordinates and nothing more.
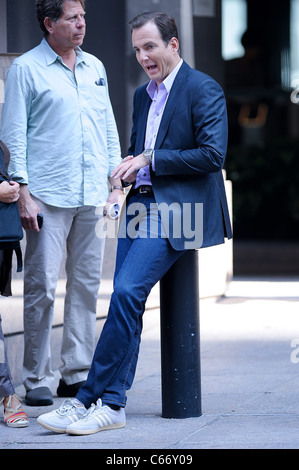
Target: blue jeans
(141, 262)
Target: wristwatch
(117, 187)
(148, 153)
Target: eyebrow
(75, 15)
(150, 43)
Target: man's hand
(28, 210)
(127, 169)
(116, 196)
(9, 191)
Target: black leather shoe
(40, 396)
(67, 391)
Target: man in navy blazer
(177, 202)
(189, 152)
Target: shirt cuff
(21, 177)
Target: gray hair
(52, 9)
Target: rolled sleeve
(14, 123)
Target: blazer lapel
(142, 117)
(178, 84)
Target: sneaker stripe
(73, 418)
(100, 419)
(103, 420)
(108, 419)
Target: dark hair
(165, 24)
(52, 9)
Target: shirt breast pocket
(99, 97)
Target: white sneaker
(98, 418)
(58, 420)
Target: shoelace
(66, 407)
(90, 410)
(95, 407)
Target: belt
(143, 189)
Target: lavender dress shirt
(159, 98)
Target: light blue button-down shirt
(60, 127)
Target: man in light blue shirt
(59, 126)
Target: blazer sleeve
(196, 138)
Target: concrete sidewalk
(250, 381)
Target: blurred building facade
(260, 43)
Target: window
(294, 40)
(234, 24)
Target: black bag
(11, 232)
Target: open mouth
(150, 68)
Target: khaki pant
(73, 228)
(6, 385)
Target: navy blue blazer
(190, 152)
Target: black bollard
(180, 339)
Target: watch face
(148, 152)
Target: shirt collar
(167, 83)
(52, 56)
